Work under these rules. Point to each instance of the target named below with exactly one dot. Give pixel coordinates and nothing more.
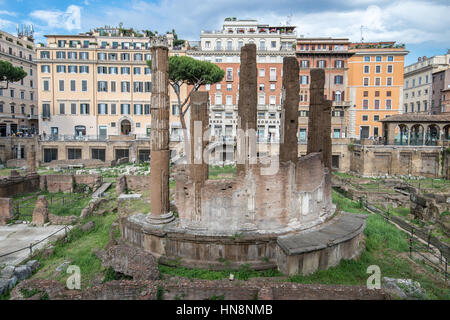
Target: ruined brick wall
(137, 183)
(91, 180)
(187, 289)
(6, 210)
(375, 160)
(66, 182)
(14, 185)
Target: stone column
(319, 121)
(19, 153)
(198, 167)
(159, 136)
(247, 106)
(289, 123)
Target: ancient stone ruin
(40, 212)
(270, 215)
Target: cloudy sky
(423, 25)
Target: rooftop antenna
(288, 21)
(362, 38)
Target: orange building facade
(332, 55)
(375, 86)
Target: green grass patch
(78, 249)
(243, 273)
(59, 203)
(214, 171)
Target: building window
(113, 110)
(229, 86)
(138, 109)
(376, 104)
(62, 108)
(305, 64)
(272, 87)
(261, 87)
(338, 79)
(98, 154)
(84, 108)
(365, 104)
(336, 133)
(102, 108)
(102, 86)
(262, 72)
(125, 108)
(365, 118)
(390, 58)
(339, 64)
(61, 85)
(388, 104)
(377, 81)
(378, 58)
(377, 69)
(273, 74)
(304, 79)
(389, 82)
(321, 64)
(366, 82)
(73, 108)
(45, 69)
(147, 109)
(73, 154)
(61, 69)
(367, 58)
(84, 69)
(136, 70)
(229, 74)
(72, 85)
(390, 69)
(84, 85)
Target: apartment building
(418, 83)
(440, 91)
(332, 55)
(223, 47)
(96, 84)
(18, 102)
(375, 86)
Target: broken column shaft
(289, 125)
(198, 167)
(247, 112)
(159, 135)
(31, 162)
(319, 122)
(199, 122)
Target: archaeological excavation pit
(264, 218)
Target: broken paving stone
(132, 196)
(33, 265)
(7, 272)
(22, 272)
(88, 226)
(62, 266)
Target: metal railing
(30, 247)
(417, 237)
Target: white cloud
(8, 13)
(69, 20)
(411, 21)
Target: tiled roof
(410, 117)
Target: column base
(160, 219)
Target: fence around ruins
(34, 244)
(420, 241)
(23, 208)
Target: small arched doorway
(432, 135)
(125, 127)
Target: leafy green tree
(193, 73)
(9, 73)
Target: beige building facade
(18, 102)
(418, 83)
(96, 84)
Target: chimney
(419, 59)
